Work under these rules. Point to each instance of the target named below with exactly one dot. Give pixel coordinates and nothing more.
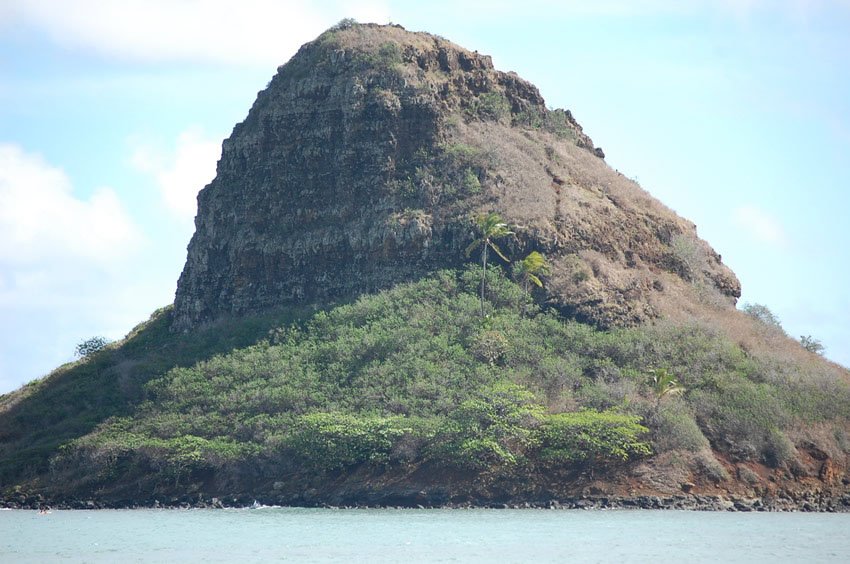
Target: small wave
(258, 505)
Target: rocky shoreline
(807, 502)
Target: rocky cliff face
(361, 163)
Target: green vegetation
(530, 269)
(491, 106)
(70, 402)
(811, 344)
(90, 346)
(387, 57)
(772, 325)
(592, 438)
(343, 24)
(460, 377)
(762, 314)
(406, 377)
(558, 121)
(490, 227)
(452, 174)
(664, 384)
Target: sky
(734, 113)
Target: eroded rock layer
(362, 162)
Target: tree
(90, 346)
(490, 227)
(529, 270)
(762, 314)
(592, 438)
(811, 344)
(664, 384)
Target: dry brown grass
(613, 247)
(567, 203)
(681, 303)
(369, 37)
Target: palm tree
(490, 227)
(530, 269)
(664, 384)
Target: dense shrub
(492, 428)
(492, 106)
(746, 419)
(416, 375)
(674, 428)
(90, 346)
(330, 441)
(763, 315)
(811, 344)
(592, 438)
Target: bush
(604, 394)
(492, 428)
(592, 438)
(710, 466)
(91, 346)
(389, 54)
(674, 428)
(490, 346)
(560, 122)
(688, 256)
(748, 476)
(763, 315)
(470, 183)
(343, 24)
(778, 448)
(413, 374)
(811, 344)
(332, 441)
(745, 419)
(492, 106)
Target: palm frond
(491, 225)
(535, 263)
(664, 384)
(498, 251)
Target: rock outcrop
(361, 163)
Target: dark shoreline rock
(809, 502)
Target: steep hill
(331, 341)
(359, 167)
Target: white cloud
(41, 219)
(61, 259)
(56, 250)
(760, 225)
(267, 32)
(740, 10)
(180, 176)
(221, 31)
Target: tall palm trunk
(490, 227)
(524, 289)
(483, 275)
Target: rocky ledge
(807, 502)
(361, 163)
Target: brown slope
(361, 163)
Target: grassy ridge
(414, 375)
(75, 398)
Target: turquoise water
(432, 535)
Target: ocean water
(429, 535)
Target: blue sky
(735, 113)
